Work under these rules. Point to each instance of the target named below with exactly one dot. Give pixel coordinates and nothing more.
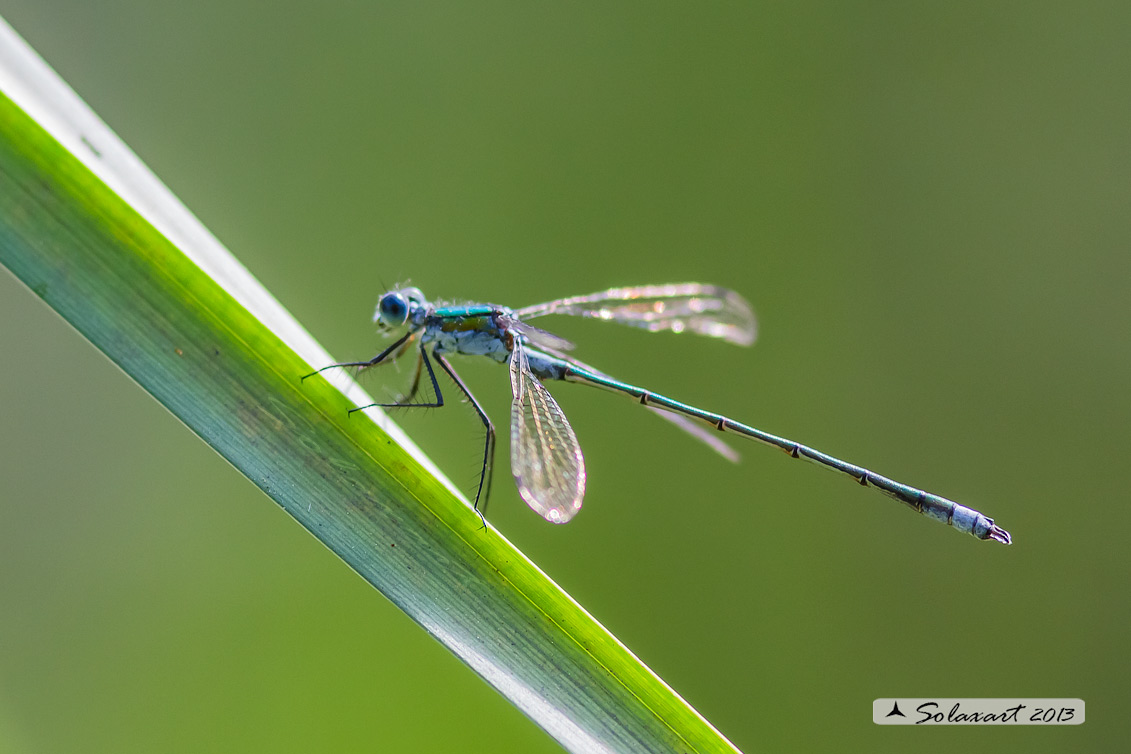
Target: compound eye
(393, 310)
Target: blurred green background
(928, 205)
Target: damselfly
(546, 460)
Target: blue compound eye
(393, 310)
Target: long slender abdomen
(933, 506)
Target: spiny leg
(488, 445)
(403, 402)
(438, 403)
(372, 362)
(406, 398)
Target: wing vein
(546, 459)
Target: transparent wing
(699, 432)
(694, 307)
(536, 336)
(704, 435)
(545, 458)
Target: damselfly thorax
(475, 335)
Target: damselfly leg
(484, 492)
(423, 363)
(379, 358)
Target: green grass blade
(188, 338)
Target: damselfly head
(395, 307)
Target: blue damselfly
(546, 459)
